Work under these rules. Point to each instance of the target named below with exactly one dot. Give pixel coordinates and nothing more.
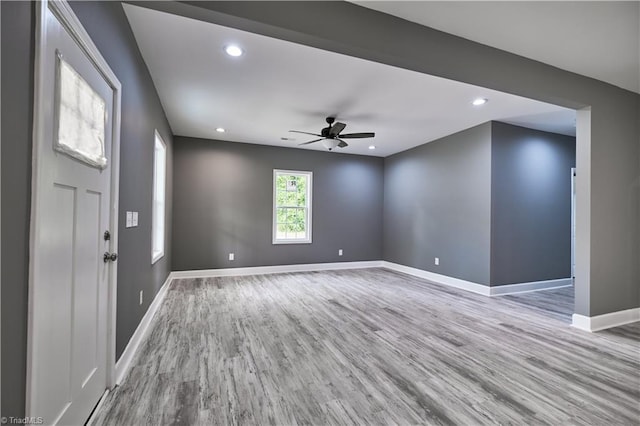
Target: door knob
(109, 257)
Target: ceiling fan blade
(307, 143)
(342, 144)
(357, 135)
(337, 128)
(304, 133)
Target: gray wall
(530, 204)
(223, 202)
(493, 203)
(141, 114)
(17, 96)
(609, 280)
(437, 203)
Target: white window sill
(292, 241)
(156, 256)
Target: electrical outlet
(437, 261)
(129, 221)
(232, 256)
(134, 218)
(340, 252)
(141, 292)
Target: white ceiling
(599, 39)
(278, 85)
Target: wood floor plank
(373, 347)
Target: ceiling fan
(331, 137)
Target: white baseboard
(439, 279)
(485, 290)
(602, 322)
(502, 290)
(124, 362)
(259, 270)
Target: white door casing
(71, 343)
(573, 223)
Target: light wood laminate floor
(372, 347)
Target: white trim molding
(124, 362)
(503, 290)
(485, 290)
(482, 289)
(604, 321)
(278, 269)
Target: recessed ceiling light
(372, 147)
(233, 50)
(480, 101)
(220, 130)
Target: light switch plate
(134, 221)
(129, 220)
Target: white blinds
(81, 118)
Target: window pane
(282, 215)
(302, 200)
(300, 216)
(302, 184)
(81, 118)
(292, 184)
(291, 198)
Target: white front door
(72, 207)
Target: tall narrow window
(291, 207)
(159, 186)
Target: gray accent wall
(530, 204)
(17, 98)
(437, 203)
(141, 114)
(223, 201)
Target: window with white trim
(292, 206)
(159, 205)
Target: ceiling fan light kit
(330, 144)
(331, 136)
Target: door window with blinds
(80, 117)
(292, 192)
